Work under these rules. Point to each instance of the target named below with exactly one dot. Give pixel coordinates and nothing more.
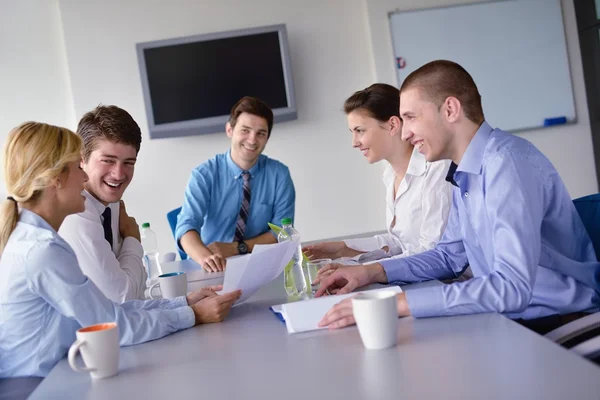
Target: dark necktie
(240, 227)
(106, 224)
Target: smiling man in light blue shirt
(231, 198)
(512, 219)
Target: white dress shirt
(416, 217)
(118, 272)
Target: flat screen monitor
(191, 83)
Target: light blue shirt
(214, 196)
(45, 298)
(513, 221)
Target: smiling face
(249, 137)
(372, 137)
(110, 168)
(69, 196)
(424, 125)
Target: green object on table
(289, 282)
(278, 229)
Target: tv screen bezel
(214, 124)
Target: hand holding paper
(253, 271)
(304, 316)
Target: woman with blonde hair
(44, 296)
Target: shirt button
(466, 194)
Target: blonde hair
(34, 155)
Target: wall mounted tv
(191, 83)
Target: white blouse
(417, 216)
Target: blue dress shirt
(513, 221)
(214, 196)
(45, 298)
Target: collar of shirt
(416, 167)
(236, 171)
(31, 218)
(97, 203)
(472, 160)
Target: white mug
(99, 347)
(376, 316)
(171, 285)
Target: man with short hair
(106, 240)
(512, 220)
(231, 198)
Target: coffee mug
(99, 347)
(171, 285)
(376, 317)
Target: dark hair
(254, 106)
(441, 79)
(380, 101)
(109, 123)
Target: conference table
(251, 356)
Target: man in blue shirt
(512, 219)
(231, 198)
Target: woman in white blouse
(418, 197)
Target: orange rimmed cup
(99, 347)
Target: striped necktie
(240, 227)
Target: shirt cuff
(397, 270)
(426, 302)
(363, 244)
(178, 302)
(185, 317)
(133, 245)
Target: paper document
(255, 270)
(304, 316)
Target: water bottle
(293, 276)
(151, 262)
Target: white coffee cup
(376, 316)
(99, 347)
(171, 285)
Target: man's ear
(452, 109)
(229, 129)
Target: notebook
(304, 316)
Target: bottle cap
(146, 225)
(286, 221)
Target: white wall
(569, 147)
(330, 60)
(337, 47)
(34, 82)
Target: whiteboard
(514, 50)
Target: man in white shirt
(105, 239)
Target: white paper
(304, 316)
(250, 273)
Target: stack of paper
(255, 270)
(304, 316)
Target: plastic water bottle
(293, 276)
(151, 261)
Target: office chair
(172, 218)
(583, 335)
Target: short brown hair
(380, 101)
(108, 123)
(254, 106)
(441, 79)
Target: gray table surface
(251, 356)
